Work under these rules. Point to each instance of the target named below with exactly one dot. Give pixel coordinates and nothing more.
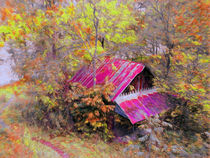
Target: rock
(207, 134)
(184, 154)
(207, 145)
(148, 130)
(140, 153)
(158, 129)
(195, 156)
(165, 147)
(176, 149)
(179, 150)
(126, 149)
(133, 146)
(171, 155)
(154, 139)
(125, 138)
(144, 138)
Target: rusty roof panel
(121, 73)
(117, 71)
(143, 106)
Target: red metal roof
(117, 71)
(136, 106)
(142, 105)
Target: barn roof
(117, 71)
(140, 105)
(135, 106)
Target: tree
(73, 30)
(110, 23)
(156, 30)
(49, 44)
(181, 67)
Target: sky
(6, 74)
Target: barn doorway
(142, 81)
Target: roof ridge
(125, 60)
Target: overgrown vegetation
(49, 40)
(79, 109)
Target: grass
(15, 88)
(17, 139)
(20, 140)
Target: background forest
(44, 115)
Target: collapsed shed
(134, 94)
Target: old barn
(134, 94)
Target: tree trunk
(96, 21)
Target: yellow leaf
(1, 44)
(196, 43)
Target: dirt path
(4, 126)
(2, 123)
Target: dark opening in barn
(142, 81)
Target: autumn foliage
(92, 109)
(50, 40)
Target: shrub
(73, 107)
(92, 110)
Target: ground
(20, 140)
(17, 139)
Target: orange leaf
(97, 113)
(104, 109)
(90, 115)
